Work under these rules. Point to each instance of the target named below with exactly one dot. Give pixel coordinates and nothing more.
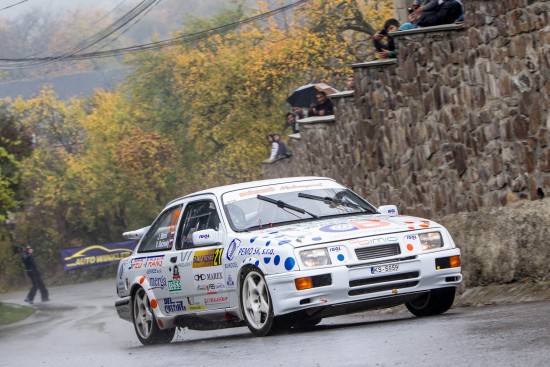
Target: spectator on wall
(386, 49)
(323, 107)
(278, 147)
(291, 122)
(429, 13)
(300, 112)
(351, 82)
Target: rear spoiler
(135, 235)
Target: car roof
(218, 191)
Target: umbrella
(306, 94)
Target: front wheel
(145, 322)
(434, 302)
(256, 302)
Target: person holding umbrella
(314, 97)
(323, 107)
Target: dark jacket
(29, 263)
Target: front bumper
(355, 288)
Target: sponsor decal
(208, 276)
(255, 192)
(197, 307)
(216, 300)
(204, 236)
(247, 251)
(186, 259)
(199, 277)
(176, 272)
(121, 271)
(353, 226)
(96, 255)
(338, 228)
(153, 271)
(146, 262)
(164, 240)
(214, 276)
(232, 248)
(202, 259)
(230, 265)
(157, 282)
(173, 306)
(174, 285)
(374, 241)
(230, 282)
(194, 305)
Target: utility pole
(400, 10)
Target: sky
(51, 4)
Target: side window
(160, 236)
(197, 216)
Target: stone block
(520, 127)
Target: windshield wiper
(281, 204)
(329, 200)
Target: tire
(145, 323)
(255, 302)
(435, 302)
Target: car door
(156, 261)
(200, 267)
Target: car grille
(375, 252)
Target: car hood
(335, 229)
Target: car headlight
(317, 257)
(430, 240)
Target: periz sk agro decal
(207, 258)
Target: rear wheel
(256, 303)
(434, 302)
(145, 323)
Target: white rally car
(278, 254)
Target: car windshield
(263, 208)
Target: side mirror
(390, 210)
(135, 235)
(206, 237)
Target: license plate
(384, 269)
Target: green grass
(13, 313)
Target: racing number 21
(218, 256)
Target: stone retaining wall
(459, 122)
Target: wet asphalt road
(79, 327)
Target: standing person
(34, 274)
(323, 106)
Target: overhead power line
(186, 38)
(143, 7)
(12, 5)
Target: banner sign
(96, 255)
